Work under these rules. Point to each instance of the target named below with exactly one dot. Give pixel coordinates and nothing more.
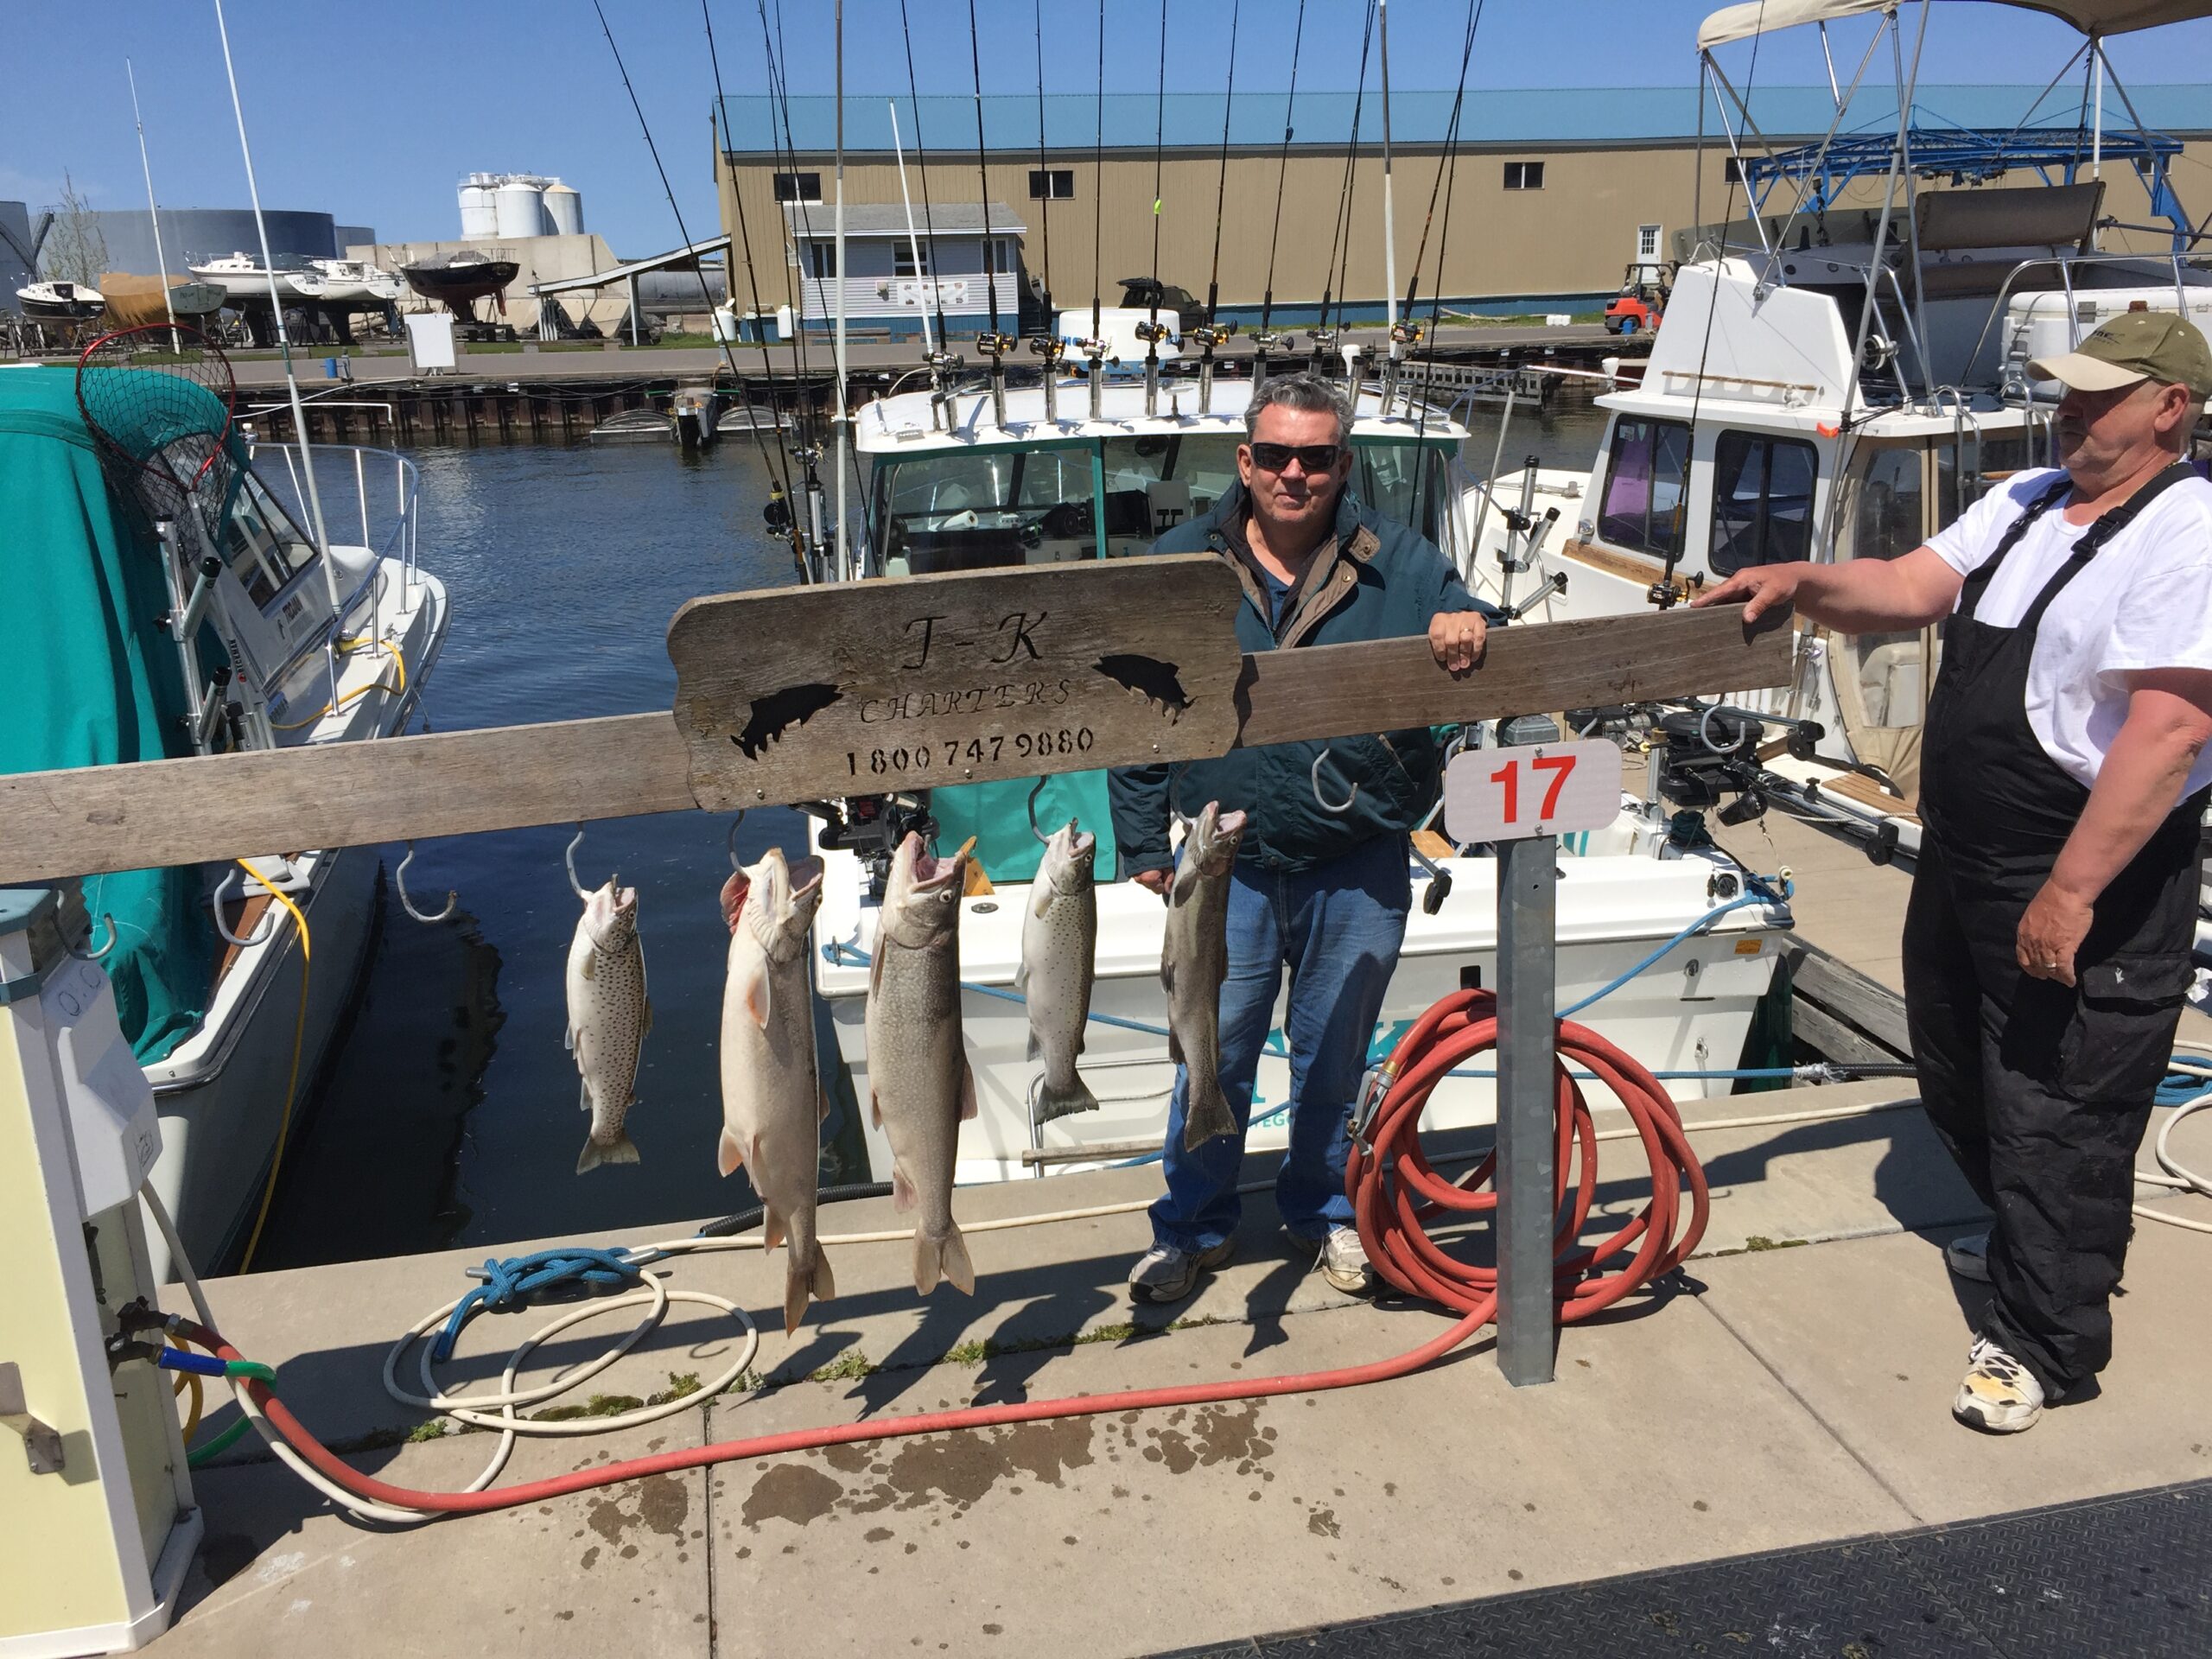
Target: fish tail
(945, 1258)
(623, 1150)
(803, 1279)
(1057, 1101)
(1206, 1115)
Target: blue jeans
(1338, 928)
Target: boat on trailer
(954, 484)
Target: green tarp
(93, 680)
(997, 814)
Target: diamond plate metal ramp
(2121, 1578)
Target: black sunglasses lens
(1313, 457)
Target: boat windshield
(969, 510)
(263, 546)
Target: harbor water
(448, 1111)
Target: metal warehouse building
(1549, 192)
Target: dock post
(1528, 1204)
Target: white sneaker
(1343, 1262)
(1999, 1396)
(1164, 1273)
(1968, 1258)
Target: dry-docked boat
(61, 301)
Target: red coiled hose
(1392, 1191)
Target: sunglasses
(1313, 457)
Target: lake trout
(1059, 942)
(1193, 963)
(772, 1103)
(919, 1086)
(608, 1018)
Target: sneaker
(1999, 1396)
(1968, 1258)
(1343, 1262)
(1164, 1273)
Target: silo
(521, 207)
(480, 212)
(564, 207)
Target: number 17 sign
(1531, 789)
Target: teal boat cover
(94, 680)
(997, 814)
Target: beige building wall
(1571, 238)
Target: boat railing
(2066, 264)
(387, 488)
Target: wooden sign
(916, 682)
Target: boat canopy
(1740, 22)
(94, 681)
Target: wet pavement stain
(659, 1503)
(1216, 1434)
(796, 1492)
(1322, 1523)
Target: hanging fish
(1059, 941)
(773, 1104)
(1193, 963)
(608, 1018)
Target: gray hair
(1304, 391)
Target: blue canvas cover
(94, 680)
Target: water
(451, 1115)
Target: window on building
(1524, 176)
(910, 258)
(1054, 184)
(824, 259)
(1647, 242)
(1731, 170)
(1647, 471)
(999, 257)
(1762, 500)
(798, 187)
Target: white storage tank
(480, 212)
(2051, 324)
(564, 209)
(522, 208)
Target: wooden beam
(89, 819)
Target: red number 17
(1507, 777)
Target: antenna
(161, 257)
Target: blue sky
(372, 113)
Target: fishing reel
(1325, 340)
(1406, 333)
(1153, 333)
(1051, 347)
(994, 346)
(776, 513)
(1209, 335)
(1705, 752)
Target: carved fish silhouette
(773, 716)
(1149, 678)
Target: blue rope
(509, 1286)
(1757, 891)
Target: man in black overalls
(2063, 777)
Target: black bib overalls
(2042, 1091)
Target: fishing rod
(1209, 334)
(806, 452)
(1324, 337)
(1447, 177)
(941, 362)
(992, 343)
(1150, 331)
(1095, 347)
(1263, 341)
(777, 512)
(1048, 345)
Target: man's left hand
(1456, 637)
(2050, 933)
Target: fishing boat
(461, 279)
(246, 281)
(957, 486)
(61, 301)
(1840, 383)
(301, 646)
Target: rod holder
(1051, 350)
(41, 1442)
(995, 346)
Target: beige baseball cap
(2136, 346)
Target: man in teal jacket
(1323, 893)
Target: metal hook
(399, 881)
(731, 843)
(269, 917)
(94, 955)
(569, 859)
(1175, 795)
(1038, 789)
(1335, 808)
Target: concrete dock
(1792, 1387)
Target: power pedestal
(98, 1525)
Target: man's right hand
(1760, 589)
(1155, 881)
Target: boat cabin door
(1882, 680)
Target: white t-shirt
(2144, 601)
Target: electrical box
(98, 1525)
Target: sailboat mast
(1389, 236)
(161, 259)
(844, 420)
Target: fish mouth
(1085, 845)
(1229, 824)
(931, 872)
(805, 876)
(733, 897)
